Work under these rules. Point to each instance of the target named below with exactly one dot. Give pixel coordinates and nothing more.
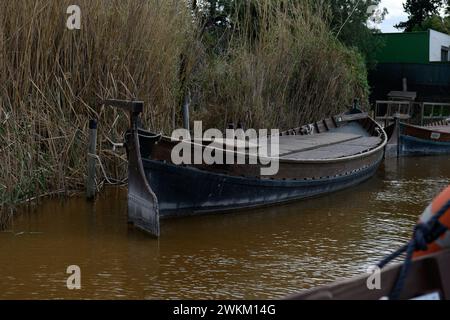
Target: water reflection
(259, 254)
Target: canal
(256, 254)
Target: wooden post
(91, 186)
(355, 103)
(422, 112)
(397, 126)
(186, 112)
(405, 84)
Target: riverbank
(155, 51)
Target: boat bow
(143, 209)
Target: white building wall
(437, 41)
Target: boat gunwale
(423, 128)
(340, 287)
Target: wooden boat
(407, 139)
(423, 275)
(428, 279)
(326, 156)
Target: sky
(396, 15)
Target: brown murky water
(260, 254)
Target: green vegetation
(52, 79)
(266, 63)
(438, 23)
(348, 21)
(275, 64)
(426, 14)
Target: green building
(421, 57)
(414, 47)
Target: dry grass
(51, 80)
(293, 73)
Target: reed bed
(52, 79)
(293, 72)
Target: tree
(221, 18)
(418, 12)
(438, 23)
(349, 22)
(213, 15)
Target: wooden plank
(353, 117)
(404, 95)
(333, 119)
(400, 116)
(440, 128)
(336, 151)
(364, 141)
(318, 138)
(294, 144)
(229, 143)
(321, 127)
(317, 127)
(330, 123)
(343, 149)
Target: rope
(118, 145)
(107, 179)
(424, 234)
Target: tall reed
(52, 78)
(294, 71)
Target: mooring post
(397, 126)
(186, 112)
(91, 186)
(355, 104)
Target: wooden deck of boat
(330, 145)
(338, 142)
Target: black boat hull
(185, 191)
(417, 146)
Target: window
(444, 54)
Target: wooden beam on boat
(335, 150)
(294, 145)
(316, 125)
(352, 117)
